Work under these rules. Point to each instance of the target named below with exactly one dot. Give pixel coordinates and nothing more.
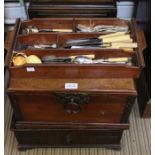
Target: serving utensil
(102, 28)
(55, 59)
(37, 46)
(85, 59)
(34, 29)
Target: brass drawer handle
(72, 107)
(72, 101)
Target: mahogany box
(94, 111)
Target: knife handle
(121, 59)
(112, 35)
(124, 45)
(91, 56)
(62, 30)
(116, 39)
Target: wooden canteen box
(66, 104)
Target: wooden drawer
(70, 107)
(48, 138)
(31, 134)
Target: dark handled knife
(83, 42)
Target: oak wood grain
(84, 85)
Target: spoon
(86, 60)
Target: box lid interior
(75, 1)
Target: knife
(34, 29)
(101, 40)
(118, 45)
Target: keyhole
(102, 112)
(68, 139)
